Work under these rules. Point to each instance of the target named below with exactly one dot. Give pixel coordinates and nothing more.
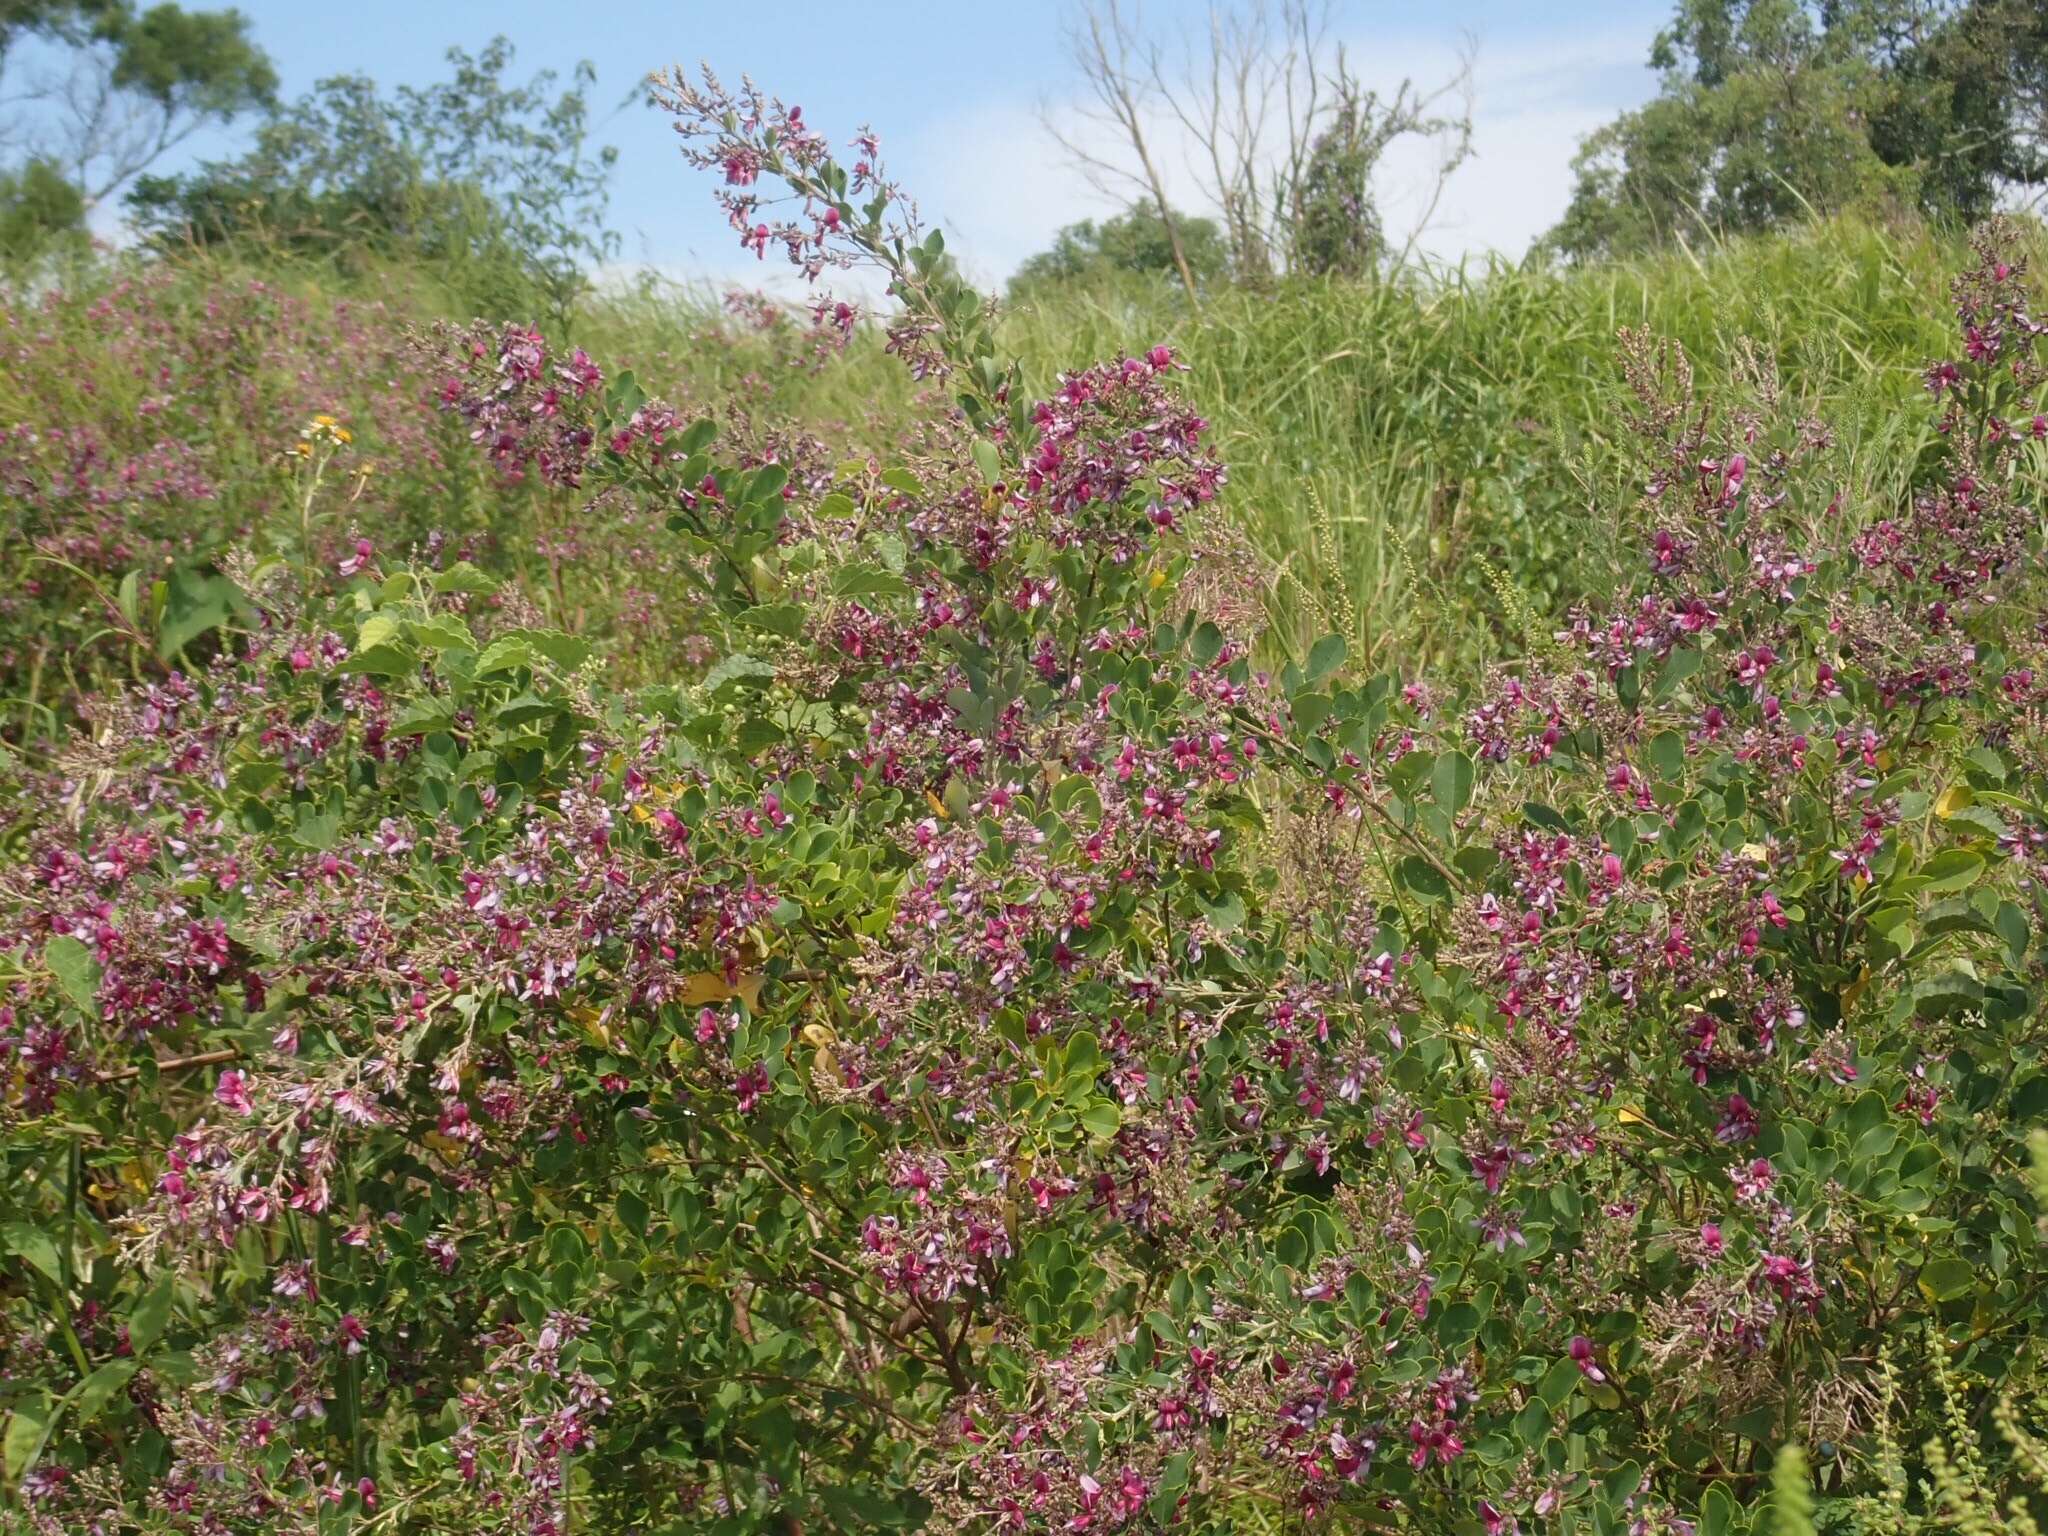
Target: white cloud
(1003, 187)
(1000, 186)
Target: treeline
(1769, 112)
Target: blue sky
(955, 92)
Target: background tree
(105, 90)
(39, 209)
(1280, 135)
(1774, 110)
(1135, 240)
(1333, 225)
(496, 181)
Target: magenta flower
(231, 1091)
(1582, 1357)
(749, 1086)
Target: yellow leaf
(447, 1146)
(1953, 799)
(1854, 990)
(1629, 1116)
(1756, 852)
(592, 1021)
(1158, 580)
(938, 806)
(820, 1035)
(711, 987)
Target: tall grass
(1395, 448)
(1465, 420)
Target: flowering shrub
(978, 1048)
(140, 425)
(152, 421)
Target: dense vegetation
(1774, 110)
(1405, 905)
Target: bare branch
(1105, 46)
(1282, 138)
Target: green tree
(39, 209)
(493, 180)
(113, 88)
(1773, 110)
(1135, 240)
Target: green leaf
(1310, 711)
(317, 827)
(623, 396)
(2012, 927)
(767, 483)
(1950, 992)
(1950, 870)
(566, 651)
(1717, 1511)
(522, 647)
(195, 603)
(422, 716)
(152, 1315)
(1423, 878)
(507, 653)
(857, 581)
(1558, 1382)
(1946, 1279)
(1206, 645)
(525, 710)
(1224, 912)
(737, 671)
(379, 629)
(1172, 1482)
(1102, 1118)
(26, 1432)
(444, 632)
(464, 577)
(1759, 1424)
(987, 460)
(1667, 754)
(1978, 818)
(36, 1248)
(1451, 780)
(1678, 666)
(784, 619)
(78, 973)
(98, 1389)
(1325, 657)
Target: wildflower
(749, 1086)
(1581, 1350)
(231, 1091)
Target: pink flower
(1582, 1357)
(749, 1086)
(231, 1091)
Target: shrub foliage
(987, 1043)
